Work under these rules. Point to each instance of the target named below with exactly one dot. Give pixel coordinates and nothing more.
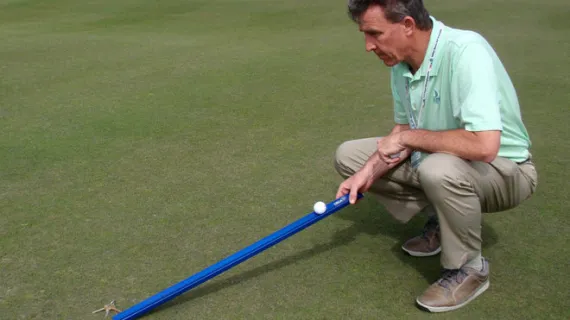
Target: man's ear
(409, 25)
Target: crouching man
(458, 148)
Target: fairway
(142, 141)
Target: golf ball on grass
(320, 207)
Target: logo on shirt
(436, 97)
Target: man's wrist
(404, 138)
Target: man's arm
(362, 180)
(474, 85)
(476, 146)
(376, 166)
(372, 170)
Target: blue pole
(172, 292)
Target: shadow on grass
(373, 219)
(369, 218)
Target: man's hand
(359, 182)
(391, 149)
(374, 168)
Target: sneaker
(455, 289)
(426, 244)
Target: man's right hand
(359, 182)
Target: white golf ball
(320, 207)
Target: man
(458, 148)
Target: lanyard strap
(413, 123)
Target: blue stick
(172, 292)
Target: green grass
(142, 141)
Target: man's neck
(419, 49)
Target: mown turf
(143, 140)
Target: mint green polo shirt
(468, 88)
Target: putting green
(142, 141)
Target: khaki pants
(458, 190)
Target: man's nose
(370, 46)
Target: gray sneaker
(427, 244)
(455, 289)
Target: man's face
(387, 39)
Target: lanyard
(414, 123)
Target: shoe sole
(479, 291)
(422, 254)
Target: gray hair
(394, 10)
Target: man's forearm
(376, 167)
(462, 143)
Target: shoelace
(451, 276)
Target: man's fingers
(342, 190)
(392, 160)
(386, 158)
(353, 194)
(389, 159)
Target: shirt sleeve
(400, 114)
(476, 89)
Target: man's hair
(394, 11)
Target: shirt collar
(422, 71)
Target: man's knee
(439, 170)
(343, 162)
(352, 155)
